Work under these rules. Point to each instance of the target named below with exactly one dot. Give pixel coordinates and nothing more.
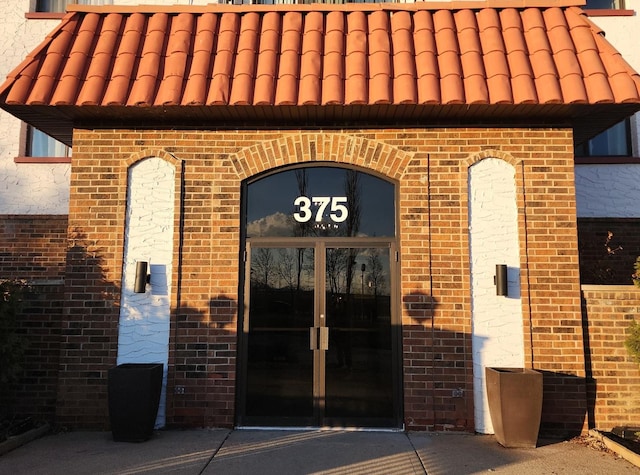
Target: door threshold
(322, 428)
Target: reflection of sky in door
(274, 195)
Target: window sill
(608, 12)
(47, 160)
(44, 16)
(606, 160)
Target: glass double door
(320, 345)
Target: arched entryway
(320, 332)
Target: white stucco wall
(497, 329)
(25, 188)
(622, 32)
(33, 188)
(608, 191)
(143, 333)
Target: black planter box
(515, 405)
(134, 397)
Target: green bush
(632, 343)
(12, 343)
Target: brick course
(430, 167)
(33, 246)
(612, 375)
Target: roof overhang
(59, 121)
(472, 64)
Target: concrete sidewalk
(222, 451)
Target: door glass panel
(279, 360)
(358, 371)
(320, 202)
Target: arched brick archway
(367, 153)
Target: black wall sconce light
(142, 277)
(500, 280)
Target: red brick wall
(88, 338)
(33, 246)
(34, 249)
(430, 166)
(613, 375)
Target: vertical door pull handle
(324, 338)
(313, 338)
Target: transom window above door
(320, 201)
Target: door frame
(320, 245)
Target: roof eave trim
(417, 6)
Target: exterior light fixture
(500, 280)
(142, 277)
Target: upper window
(605, 4)
(613, 142)
(60, 6)
(40, 144)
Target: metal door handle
(324, 338)
(318, 338)
(313, 338)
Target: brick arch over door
(321, 147)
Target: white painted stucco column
(143, 335)
(497, 329)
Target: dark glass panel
(359, 378)
(613, 142)
(320, 202)
(280, 363)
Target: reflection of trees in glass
(286, 268)
(301, 229)
(336, 266)
(278, 268)
(343, 267)
(289, 268)
(376, 276)
(263, 266)
(352, 192)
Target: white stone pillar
(497, 329)
(143, 335)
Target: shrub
(632, 343)
(12, 343)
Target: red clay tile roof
(320, 64)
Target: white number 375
(337, 207)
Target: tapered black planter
(134, 397)
(515, 405)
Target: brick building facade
(436, 340)
(158, 171)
